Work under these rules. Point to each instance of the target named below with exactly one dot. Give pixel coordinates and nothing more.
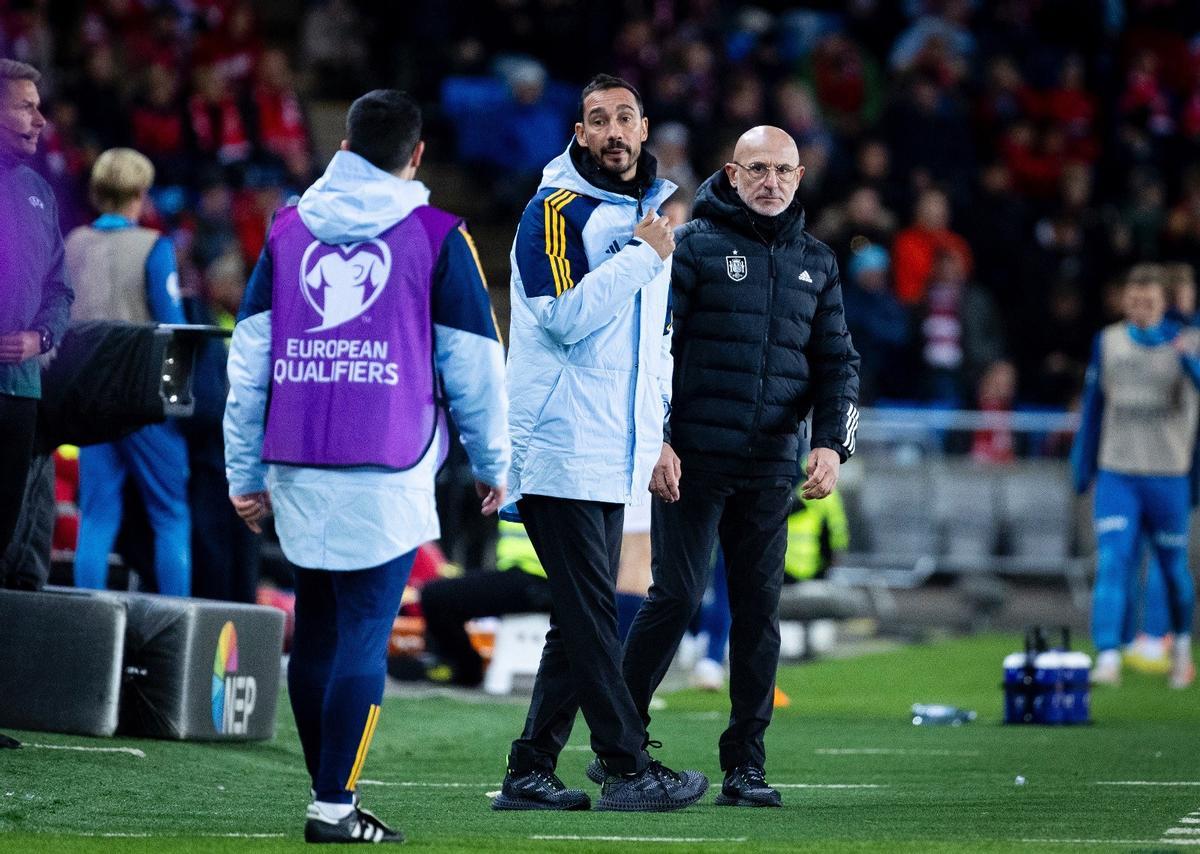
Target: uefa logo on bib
(342, 282)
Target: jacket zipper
(639, 201)
(762, 367)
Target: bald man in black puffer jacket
(760, 340)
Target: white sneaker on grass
(1108, 668)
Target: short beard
(598, 159)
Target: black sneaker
(746, 786)
(538, 790)
(654, 789)
(595, 770)
(358, 826)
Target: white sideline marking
(415, 785)
(831, 785)
(890, 751)
(1189, 821)
(693, 839)
(132, 751)
(579, 747)
(1171, 841)
(119, 835)
(1183, 831)
(1090, 841)
(702, 716)
(1147, 783)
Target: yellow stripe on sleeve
(556, 239)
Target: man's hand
(664, 480)
(493, 497)
(252, 508)
(823, 467)
(656, 230)
(16, 347)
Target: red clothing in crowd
(281, 126)
(157, 132)
(219, 129)
(913, 255)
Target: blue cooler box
(1047, 686)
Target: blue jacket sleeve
(162, 283)
(470, 357)
(249, 367)
(1085, 452)
(570, 300)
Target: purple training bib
(352, 370)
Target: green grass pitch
(908, 789)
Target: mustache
(617, 146)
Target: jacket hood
(718, 201)
(355, 200)
(561, 174)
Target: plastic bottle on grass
(936, 714)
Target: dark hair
(383, 127)
(1148, 275)
(10, 69)
(601, 82)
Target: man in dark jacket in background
(760, 340)
(36, 299)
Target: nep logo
(341, 282)
(232, 695)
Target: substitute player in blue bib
(127, 273)
(1137, 441)
(364, 302)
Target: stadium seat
(965, 508)
(517, 651)
(896, 507)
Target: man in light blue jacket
(365, 304)
(589, 380)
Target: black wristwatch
(47, 339)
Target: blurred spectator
(930, 134)
(996, 395)
(159, 124)
(1000, 221)
(846, 80)
(916, 247)
(233, 49)
(878, 323)
(670, 142)
(1055, 346)
(960, 331)
(127, 273)
(333, 48)
(100, 100)
(1182, 232)
(225, 553)
(799, 115)
(859, 221)
(279, 116)
(216, 119)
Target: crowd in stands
(1004, 162)
(985, 171)
(1001, 164)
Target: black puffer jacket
(760, 339)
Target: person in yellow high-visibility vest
(517, 587)
(815, 531)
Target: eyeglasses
(758, 171)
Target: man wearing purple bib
(366, 306)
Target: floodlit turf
(915, 789)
